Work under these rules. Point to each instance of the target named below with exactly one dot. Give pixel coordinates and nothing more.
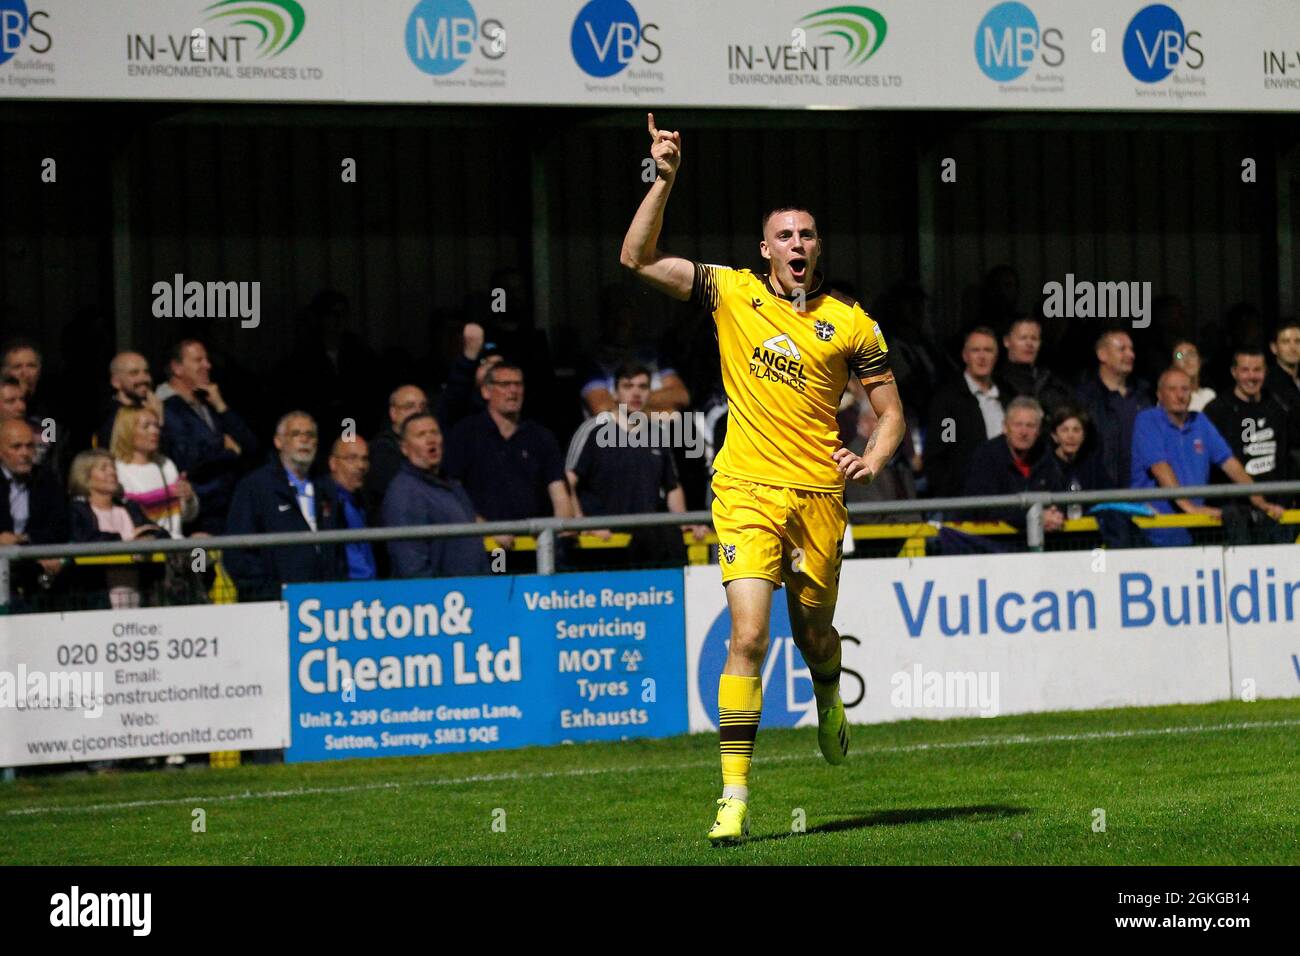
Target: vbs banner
(783, 54)
(107, 685)
(966, 636)
(391, 668)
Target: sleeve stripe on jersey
(704, 287)
(873, 368)
(870, 361)
(879, 378)
(579, 440)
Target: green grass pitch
(1207, 784)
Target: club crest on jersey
(729, 552)
(824, 330)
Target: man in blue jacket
(204, 436)
(417, 495)
(280, 496)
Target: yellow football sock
(740, 707)
(826, 678)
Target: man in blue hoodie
(418, 495)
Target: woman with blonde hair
(96, 513)
(149, 478)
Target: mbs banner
(394, 668)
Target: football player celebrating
(788, 346)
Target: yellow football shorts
(781, 535)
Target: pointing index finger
(654, 130)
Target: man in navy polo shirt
(511, 467)
(1173, 446)
(1114, 397)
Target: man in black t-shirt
(1260, 431)
(510, 466)
(620, 462)
(1263, 434)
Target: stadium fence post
(546, 551)
(1034, 526)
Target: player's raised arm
(641, 253)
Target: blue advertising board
(395, 668)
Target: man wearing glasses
(281, 496)
(511, 466)
(349, 463)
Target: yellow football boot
(732, 822)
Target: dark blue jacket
(991, 471)
(47, 523)
(202, 455)
(265, 502)
(946, 462)
(47, 509)
(84, 526)
(417, 498)
(90, 583)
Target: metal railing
(546, 530)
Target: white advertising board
(1263, 606)
(104, 685)
(968, 636)
(879, 54)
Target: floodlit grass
(1209, 784)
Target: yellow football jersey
(784, 370)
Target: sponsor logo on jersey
(778, 360)
(782, 343)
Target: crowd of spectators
(1014, 405)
